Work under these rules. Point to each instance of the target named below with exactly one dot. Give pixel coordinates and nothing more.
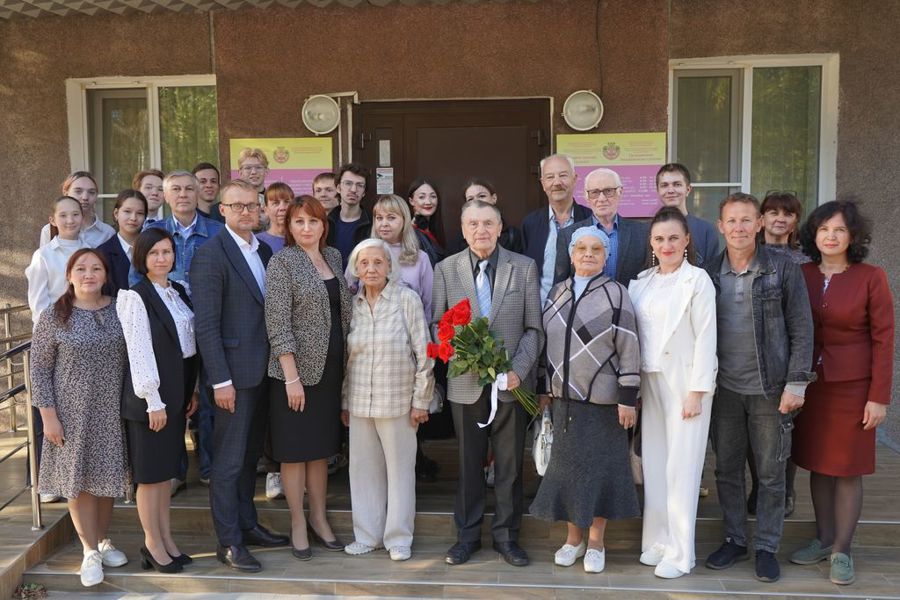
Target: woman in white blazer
(675, 303)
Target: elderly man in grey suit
(228, 275)
(504, 287)
(628, 239)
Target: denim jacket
(184, 247)
(782, 320)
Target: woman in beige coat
(675, 304)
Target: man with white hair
(541, 227)
(189, 228)
(628, 238)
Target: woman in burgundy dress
(834, 435)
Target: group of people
(286, 316)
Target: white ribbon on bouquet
(499, 385)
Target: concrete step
(624, 534)
(426, 575)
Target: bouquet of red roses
(474, 349)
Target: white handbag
(543, 441)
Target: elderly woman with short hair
(593, 365)
(387, 389)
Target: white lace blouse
(651, 315)
(136, 326)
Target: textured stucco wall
(460, 50)
(37, 56)
(864, 34)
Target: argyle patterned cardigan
(592, 352)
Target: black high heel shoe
(182, 559)
(148, 562)
(334, 545)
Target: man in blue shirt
(628, 239)
(541, 227)
(189, 228)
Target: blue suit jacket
(229, 317)
(705, 238)
(119, 266)
(536, 228)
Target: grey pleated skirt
(589, 474)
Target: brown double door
(451, 141)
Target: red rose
(445, 352)
(462, 312)
(445, 331)
(433, 350)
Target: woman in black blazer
(160, 389)
(129, 214)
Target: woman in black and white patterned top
(78, 354)
(159, 390)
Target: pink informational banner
(294, 161)
(636, 157)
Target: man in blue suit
(673, 186)
(228, 275)
(541, 227)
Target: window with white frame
(119, 126)
(755, 124)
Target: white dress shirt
(251, 255)
(127, 248)
(136, 327)
(93, 235)
(47, 273)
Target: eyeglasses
(239, 207)
(360, 185)
(253, 168)
(608, 192)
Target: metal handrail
(30, 444)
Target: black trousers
(237, 444)
(507, 436)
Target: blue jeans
(739, 420)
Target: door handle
(538, 135)
(363, 138)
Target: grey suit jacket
(634, 241)
(515, 316)
(229, 318)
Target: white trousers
(673, 451)
(383, 480)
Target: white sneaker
(400, 553)
(653, 556)
(667, 571)
(274, 489)
(112, 557)
(568, 554)
(49, 498)
(91, 569)
(594, 561)
(357, 548)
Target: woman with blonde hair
(392, 222)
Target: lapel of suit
(467, 280)
(501, 283)
(682, 293)
(160, 309)
(236, 257)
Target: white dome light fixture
(583, 110)
(321, 114)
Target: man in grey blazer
(629, 239)
(228, 277)
(673, 186)
(504, 287)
